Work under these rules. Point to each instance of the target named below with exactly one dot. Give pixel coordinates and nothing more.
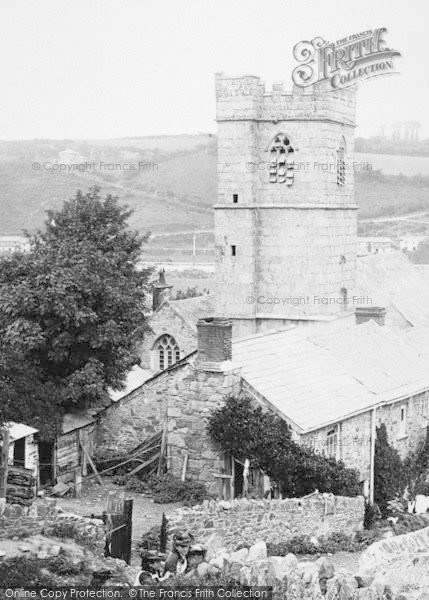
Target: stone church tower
(285, 220)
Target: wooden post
(78, 483)
(4, 461)
(89, 459)
(185, 465)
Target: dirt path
(146, 514)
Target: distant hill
(171, 192)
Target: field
(170, 183)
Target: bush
(19, 572)
(244, 431)
(389, 478)
(372, 514)
(151, 539)
(167, 488)
(334, 542)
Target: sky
(98, 69)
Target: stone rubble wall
(248, 521)
(393, 548)
(44, 517)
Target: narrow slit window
(233, 250)
(235, 198)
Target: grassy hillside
(171, 192)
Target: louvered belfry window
(281, 165)
(167, 351)
(341, 166)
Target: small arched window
(281, 160)
(167, 352)
(341, 164)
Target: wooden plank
(4, 461)
(93, 467)
(163, 446)
(145, 464)
(185, 466)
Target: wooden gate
(119, 516)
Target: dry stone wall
(248, 521)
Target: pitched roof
(393, 282)
(192, 309)
(135, 378)
(299, 378)
(317, 380)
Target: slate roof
(318, 380)
(192, 309)
(393, 282)
(75, 420)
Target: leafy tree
(416, 469)
(388, 471)
(71, 312)
(245, 431)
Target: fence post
(4, 461)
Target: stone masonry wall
(185, 396)
(44, 517)
(166, 320)
(354, 442)
(189, 407)
(416, 422)
(248, 521)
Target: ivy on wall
(245, 431)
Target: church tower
(285, 219)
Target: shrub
(167, 488)
(334, 542)
(19, 572)
(244, 431)
(372, 514)
(389, 479)
(151, 539)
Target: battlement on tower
(245, 98)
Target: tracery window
(167, 352)
(281, 157)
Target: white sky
(111, 68)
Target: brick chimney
(366, 313)
(161, 291)
(214, 342)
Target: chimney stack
(161, 291)
(366, 313)
(214, 342)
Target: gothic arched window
(281, 160)
(167, 352)
(341, 164)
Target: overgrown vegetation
(20, 572)
(335, 542)
(166, 489)
(71, 312)
(245, 431)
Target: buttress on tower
(285, 218)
